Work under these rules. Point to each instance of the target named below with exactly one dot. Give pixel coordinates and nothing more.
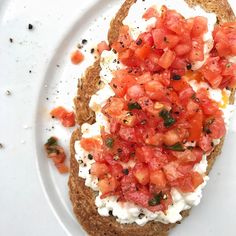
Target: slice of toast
(82, 197)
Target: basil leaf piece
(134, 105)
(52, 141)
(167, 117)
(176, 147)
(109, 142)
(156, 200)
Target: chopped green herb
(166, 116)
(109, 142)
(228, 65)
(52, 141)
(156, 200)
(133, 106)
(176, 147)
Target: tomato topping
(77, 57)
(102, 46)
(160, 125)
(67, 118)
(57, 154)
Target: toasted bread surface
(82, 197)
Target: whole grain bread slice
(82, 197)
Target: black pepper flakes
(139, 42)
(8, 92)
(30, 71)
(84, 41)
(125, 171)
(1, 145)
(90, 156)
(189, 66)
(11, 40)
(176, 77)
(92, 50)
(30, 26)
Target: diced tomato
(90, 144)
(141, 173)
(136, 91)
(217, 128)
(114, 107)
(154, 90)
(144, 154)
(127, 134)
(155, 140)
(205, 143)
(77, 57)
(150, 12)
(212, 71)
(182, 49)
(197, 52)
(102, 46)
(196, 126)
(197, 179)
(164, 40)
(107, 185)
(171, 137)
(199, 27)
(57, 157)
(147, 38)
(68, 120)
(144, 78)
(158, 178)
(58, 112)
(62, 168)
(143, 52)
(171, 171)
(166, 59)
(116, 171)
(99, 169)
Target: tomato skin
(167, 59)
(150, 12)
(141, 173)
(158, 178)
(99, 169)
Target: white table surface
(24, 209)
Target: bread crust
(82, 197)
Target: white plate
(58, 28)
